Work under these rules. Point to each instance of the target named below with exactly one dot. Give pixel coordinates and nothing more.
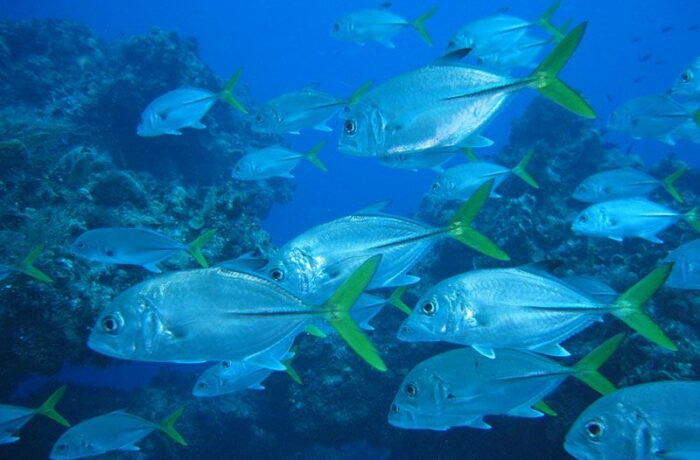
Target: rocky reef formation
(70, 160)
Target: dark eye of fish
(685, 77)
(395, 409)
(109, 253)
(451, 44)
(81, 245)
(336, 26)
(435, 186)
(595, 429)
(225, 364)
(258, 118)
(411, 390)
(429, 308)
(350, 127)
(583, 218)
(277, 274)
(110, 324)
(635, 121)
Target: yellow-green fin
(586, 370)
(337, 312)
(628, 307)
(546, 75)
(315, 331)
(227, 93)
(361, 91)
(167, 426)
(287, 363)
(545, 21)
(395, 300)
(460, 228)
(48, 409)
(693, 219)
(521, 171)
(312, 156)
(419, 24)
(544, 408)
(195, 247)
(469, 153)
(27, 267)
(668, 183)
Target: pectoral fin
(266, 362)
(525, 411)
(552, 349)
(486, 351)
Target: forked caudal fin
(586, 370)
(668, 183)
(27, 267)
(337, 312)
(545, 21)
(395, 300)
(195, 247)
(419, 24)
(48, 409)
(546, 76)
(227, 93)
(628, 307)
(312, 156)
(461, 226)
(167, 426)
(521, 171)
(693, 219)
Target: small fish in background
(13, 418)
(274, 161)
(666, 29)
(659, 62)
(228, 376)
(686, 266)
(524, 309)
(379, 25)
(499, 33)
(26, 266)
(136, 246)
(184, 108)
(460, 387)
(628, 218)
(688, 82)
(639, 79)
(117, 430)
(625, 183)
(645, 57)
(648, 421)
(459, 182)
(522, 54)
(636, 39)
(652, 117)
(302, 109)
(694, 27)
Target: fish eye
(111, 324)
(435, 186)
(395, 409)
(259, 118)
(685, 77)
(201, 385)
(595, 429)
(583, 218)
(277, 274)
(350, 127)
(225, 364)
(336, 26)
(82, 245)
(451, 44)
(634, 121)
(429, 308)
(411, 390)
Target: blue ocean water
(630, 49)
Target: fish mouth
(103, 347)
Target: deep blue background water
(285, 45)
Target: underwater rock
(115, 188)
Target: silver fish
(688, 82)
(647, 421)
(217, 314)
(13, 418)
(594, 288)
(183, 108)
(302, 109)
(460, 181)
(522, 309)
(651, 117)
(117, 430)
(521, 55)
(274, 161)
(631, 217)
(499, 33)
(229, 376)
(315, 262)
(379, 25)
(686, 266)
(625, 183)
(26, 266)
(135, 246)
(460, 387)
(444, 105)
